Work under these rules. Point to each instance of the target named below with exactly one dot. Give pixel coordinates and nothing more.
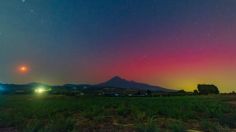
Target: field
(57, 113)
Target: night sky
(171, 43)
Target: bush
(207, 89)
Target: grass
(63, 113)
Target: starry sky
(172, 43)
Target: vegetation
(208, 89)
(65, 113)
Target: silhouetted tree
(138, 93)
(149, 92)
(181, 91)
(207, 89)
(195, 92)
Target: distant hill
(118, 82)
(113, 85)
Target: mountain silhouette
(118, 82)
(115, 83)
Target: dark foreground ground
(63, 113)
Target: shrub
(207, 89)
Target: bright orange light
(23, 69)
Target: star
(23, 1)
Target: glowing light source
(23, 69)
(40, 90)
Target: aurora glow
(172, 43)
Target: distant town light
(40, 90)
